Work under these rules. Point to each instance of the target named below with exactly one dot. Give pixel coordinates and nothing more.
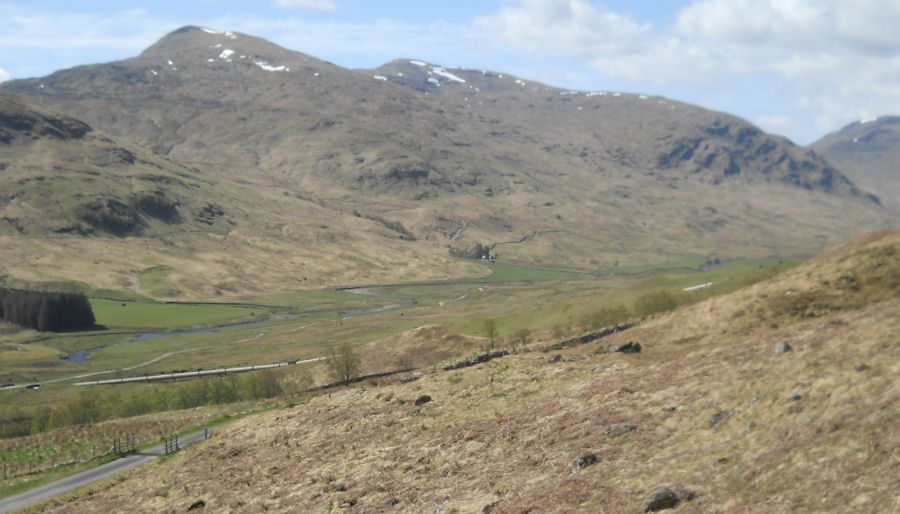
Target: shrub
(606, 317)
(520, 338)
(655, 302)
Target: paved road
(89, 476)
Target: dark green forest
(46, 311)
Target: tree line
(46, 311)
(95, 405)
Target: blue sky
(799, 68)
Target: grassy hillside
(709, 408)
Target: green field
(504, 272)
(137, 315)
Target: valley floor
(708, 408)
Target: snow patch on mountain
(268, 67)
(440, 70)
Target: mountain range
(230, 163)
(868, 151)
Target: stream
(393, 304)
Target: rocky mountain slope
(60, 176)
(78, 204)
(776, 398)
(869, 153)
(451, 158)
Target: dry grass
(506, 433)
(423, 346)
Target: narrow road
(89, 476)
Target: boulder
(619, 429)
(588, 459)
(197, 505)
(661, 499)
(781, 348)
(719, 417)
(629, 347)
(422, 400)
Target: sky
(798, 68)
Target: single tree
(343, 363)
(490, 331)
(520, 338)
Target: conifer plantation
(46, 311)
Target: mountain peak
(200, 44)
(192, 36)
(869, 152)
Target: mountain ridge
(869, 152)
(604, 177)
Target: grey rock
(619, 429)
(861, 366)
(553, 360)
(670, 408)
(719, 417)
(781, 348)
(422, 400)
(661, 499)
(629, 347)
(588, 459)
(795, 397)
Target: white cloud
(4, 75)
(575, 27)
(309, 5)
(830, 60)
